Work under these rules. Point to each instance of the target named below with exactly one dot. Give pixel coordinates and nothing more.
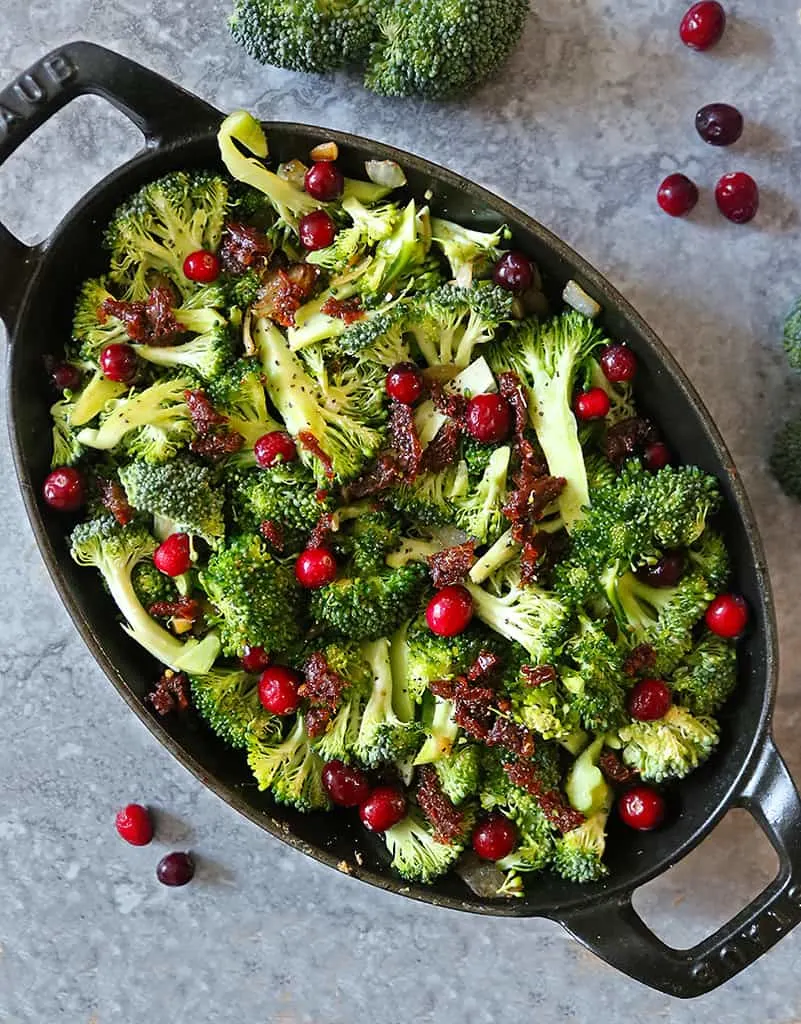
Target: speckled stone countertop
(596, 107)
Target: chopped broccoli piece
(290, 768)
(228, 700)
(239, 394)
(586, 788)
(94, 398)
(183, 491)
(152, 586)
(459, 773)
(366, 607)
(383, 735)
(429, 498)
(340, 739)
(416, 854)
(431, 657)
(598, 688)
(206, 354)
(449, 324)
(92, 333)
(441, 731)
(471, 254)
(785, 459)
(480, 513)
(286, 495)
(67, 450)
(710, 558)
(708, 676)
(577, 855)
(671, 747)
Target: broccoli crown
(370, 538)
(183, 491)
(257, 601)
(671, 747)
(471, 254)
(157, 228)
(449, 323)
(290, 768)
(384, 735)
(239, 393)
(286, 495)
(598, 687)
(431, 657)
(442, 48)
(429, 497)
(206, 354)
(459, 773)
(480, 512)
(416, 854)
(601, 473)
(67, 450)
(476, 456)
(792, 336)
(305, 35)
(367, 607)
(89, 329)
(707, 677)
(228, 700)
(785, 459)
(678, 502)
(152, 586)
(577, 855)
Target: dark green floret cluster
(281, 533)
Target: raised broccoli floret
(182, 491)
(115, 551)
(67, 450)
(459, 773)
(152, 586)
(710, 558)
(708, 676)
(598, 687)
(671, 747)
(155, 423)
(471, 254)
(431, 657)
(305, 35)
(792, 336)
(369, 538)
(785, 459)
(547, 710)
(239, 394)
(157, 228)
(416, 854)
(290, 768)
(206, 354)
(91, 331)
(430, 497)
(480, 512)
(678, 502)
(366, 607)
(577, 855)
(369, 226)
(548, 356)
(228, 699)
(476, 455)
(441, 48)
(383, 735)
(450, 323)
(257, 600)
(286, 495)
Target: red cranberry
(255, 660)
(119, 363)
(315, 568)
(642, 808)
(649, 700)
(488, 418)
(346, 784)
(317, 230)
(278, 689)
(495, 838)
(175, 869)
(656, 456)
(727, 616)
(666, 572)
(202, 266)
(65, 377)
(404, 383)
(383, 808)
(173, 557)
(134, 825)
(619, 364)
(593, 404)
(719, 124)
(64, 489)
(275, 447)
(703, 25)
(514, 272)
(737, 196)
(677, 195)
(324, 181)
(449, 611)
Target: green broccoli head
(206, 354)
(707, 677)
(238, 392)
(785, 459)
(442, 48)
(290, 768)
(459, 773)
(90, 328)
(471, 254)
(340, 739)
(369, 539)
(450, 323)
(710, 557)
(366, 607)
(287, 495)
(228, 700)
(678, 502)
(431, 657)
(429, 497)
(480, 512)
(152, 586)
(67, 450)
(671, 747)
(792, 336)
(386, 734)
(598, 687)
(578, 854)
(416, 854)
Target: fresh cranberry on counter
(324, 181)
(275, 447)
(642, 808)
(173, 556)
(315, 568)
(703, 24)
(719, 124)
(488, 418)
(737, 196)
(514, 272)
(346, 784)
(592, 405)
(450, 611)
(677, 195)
(202, 266)
(495, 838)
(383, 808)
(404, 383)
(656, 456)
(649, 700)
(278, 689)
(255, 660)
(65, 377)
(119, 363)
(727, 616)
(317, 230)
(619, 364)
(64, 489)
(134, 825)
(175, 869)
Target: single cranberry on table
(324, 181)
(666, 572)
(315, 567)
(719, 124)
(64, 489)
(450, 611)
(495, 838)
(488, 418)
(317, 230)
(278, 689)
(273, 448)
(677, 195)
(656, 456)
(383, 808)
(642, 808)
(346, 784)
(727, 616)
(703, 25)
(618, 363)
(592, 405)
(173, 556)
(119, 363)
(514, 272)
(737, 196)
(202, 266)
(404, 383)
(255, 660)
(134, 825)
(65, 377)
(649, 700)
(175, 869)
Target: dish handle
(615, 932)
(162, 111)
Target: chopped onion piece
(464, 275)
(575, 296)
(294, 172)
(482, 877)
(385, 172)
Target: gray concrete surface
(595, 108)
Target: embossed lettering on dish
(33, 88)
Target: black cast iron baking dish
(37, 288)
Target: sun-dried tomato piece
(317, 720)
(539, 675)
(132, 314)
(446, 819)
(628, 438)
(552, 802)
(449, 403)
(115, 500)
(204, 415)
(443, 451)
(511, 388)
(380, 477)
(322, 686)
(533, 494)
(512, 737)
(486, 663)
(217, 445)
(171, 693)
(187, 608)
(152, 321)
(311, 444)
(321, 532)
(404, 440)
(443, 688)
(348, 310)
(614, 769)
(641, 661)
(273, 533)
(452, 565)
(243, 248)
(303, 277)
